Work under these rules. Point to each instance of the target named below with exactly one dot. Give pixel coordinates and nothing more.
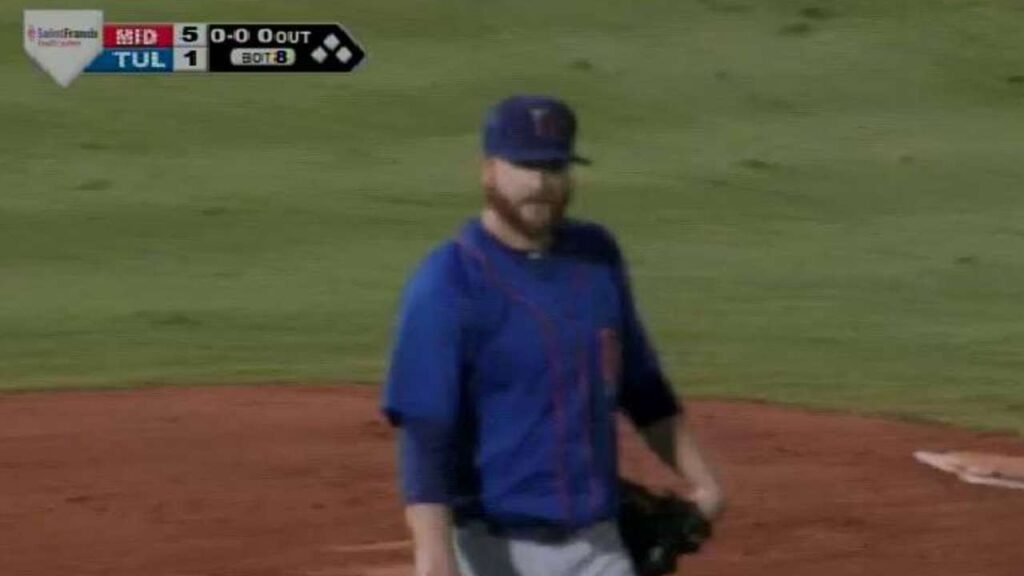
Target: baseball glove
(657, 529)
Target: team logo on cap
(546, 124)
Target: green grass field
(821, 201)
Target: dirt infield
(262, 481)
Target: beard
(534, 218)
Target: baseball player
(516, 343)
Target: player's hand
(710, 500)
(435, 562)
(431, 527)
(439, 569)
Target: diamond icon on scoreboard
(332, 42)
(319, 55)
(344, 55)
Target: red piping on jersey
(547, 328)
(584, 383)
(588, 430)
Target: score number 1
(191, 53)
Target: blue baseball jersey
(507, 370)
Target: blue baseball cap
(531, 129)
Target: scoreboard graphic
(67, 42)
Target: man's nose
(535, 180)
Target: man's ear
(487, 173)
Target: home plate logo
(63, 42)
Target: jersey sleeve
(646, 395)
(423, 377)
(423, 389)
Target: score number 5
(190, 35)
